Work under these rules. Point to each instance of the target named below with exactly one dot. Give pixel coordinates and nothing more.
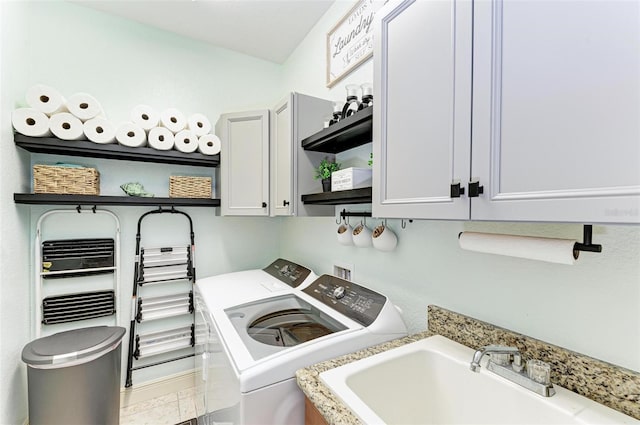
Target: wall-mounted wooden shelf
(354, 196)
(57, 199)
(84, 148)
(349, 133)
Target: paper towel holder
(586, 245)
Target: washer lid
(72, 346)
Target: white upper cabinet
(244, 163)
(550, 128)
(556, 110)
(422, 111)
(293, 119)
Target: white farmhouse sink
(429, 382)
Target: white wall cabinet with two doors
(539, 102)
(263, 168)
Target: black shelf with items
(353, 196)
(84, 148)
(348, 133)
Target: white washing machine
(254, 349)
(231, 289)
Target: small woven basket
(189, 187)
(66, 180)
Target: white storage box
(350, 178)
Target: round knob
(339, 292)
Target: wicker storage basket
(67, 180)
(189, 187)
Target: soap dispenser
(352, 105)
(367, 95)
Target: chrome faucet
(490, 349)
(507, 362)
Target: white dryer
(254, 348)
(231, 289)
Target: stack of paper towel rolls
(81, 116)
(170, 129)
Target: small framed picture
(350, 41)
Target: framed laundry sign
(350, 41)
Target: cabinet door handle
(475, 189)
(456, 190)
(285, 203)
(264, 205)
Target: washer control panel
(288, 272)
(354, 301)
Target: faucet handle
(517, 364)
(539, 371)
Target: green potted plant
(324, 170)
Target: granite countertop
(611, 385)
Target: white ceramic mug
(344, 234)
(384, 239)
(361, 236)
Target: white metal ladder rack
(65, 307)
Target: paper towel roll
(173, 119)
(199, 124)
(209, 144)
(541, 249)
(130, 134)
(161, 138)
(145, 116)
(185, 141)
(45, 99)
(99, 130)
(84, 106)
(30, 122)
(66, 126)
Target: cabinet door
(422, 112)
(282, 190)
(244, 163)
(556, 128)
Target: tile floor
(168, 409)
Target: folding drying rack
(71, 258)
(156, 267)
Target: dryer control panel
(354, 301)
(288, 272)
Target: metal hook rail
(344, 213)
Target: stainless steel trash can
(74, 376)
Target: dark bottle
(337, 113)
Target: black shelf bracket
(586, 245)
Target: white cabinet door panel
(282, 170)
(556, 117)
(421, 130)
(244, 163)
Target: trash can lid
(72, 346)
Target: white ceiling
(267, 29)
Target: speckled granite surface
(605, 383)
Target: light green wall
(592, 307)
(122, 64)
